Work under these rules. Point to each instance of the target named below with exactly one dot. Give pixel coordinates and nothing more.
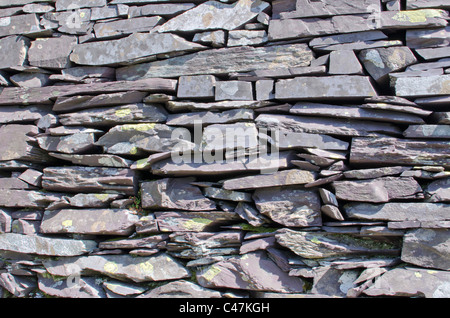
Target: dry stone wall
(224, 148)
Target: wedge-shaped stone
(265, 164)
(427, 248)
(52, 53)
(292, 206)
(89, 179)
(317, 245)
(302, 28)
(434, 53)
(411, 282)
(221, 61)
(215, 15)
(322, 125)
(305, 8)
(207, 118)
(70, 144)
(421, 86)
(66, 104)
(330, 87)
(394, 211)
(134, 48)
(252, 271)
(14, 51)
(174, 193)
(131, 113)
(24, 146)
(44, 95)
(121, 27)
(123, 267)
(428, 131)
(401, 152)
(439, 190)
(56, 287)
(89, 221)
(94, 160)
(35, 244)
(17, 114)
(280, 178)
(194, 221)
(181, 289)
(137, 139)
(380, 62)
(26, 199)
(378, 190)
(25, 24)
(317, 109)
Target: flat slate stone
(402, 152)
(329, 87)
(121, 27)
(426, 38)
(14, 51)
(67, 144)
(52, 53)
(182, 106)
(305, 8)
(427, 248)
(86, 287)
(62, 5)
(40, 245)
(418, 4)
(208, 118)
(99, 160)
(233, 90)
(174, 193)
(44, 95)
(158, 267)
(138, 139)
(200, 86)
(375, 172)
(323, 125)
(427, 131)
(137, 47)
(181, 289)
(380, 62)
(89, 221)
(25, 24)
(215, 15)
(439, 190)
(17, 114)
(191, 221)
(221, 61)
(252, 271)
(411, 282)
(317, 245)
(344, 62)
(421, 86)
(280, 178)
(292, 207)
(89, 179)
(125, 114)
(378, 190)
(395, 211)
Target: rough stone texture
(14, 50)
(52, 52)
(220, 61)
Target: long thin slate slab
(213, 15)
(421, 86)
(44, 95)
(401, 152)
(137, 47)
(221, 61)
(328, 87)
(35, 244)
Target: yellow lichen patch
(138, 127)
(101, 196)
(67, 223)
(133, 151)
(418, 275)
(146, 268)
(142, 164)
(111, 267)
(123, 112)
(197, 224)
(417, 16)
(212, 272)
(315, 240)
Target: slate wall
(335, 181)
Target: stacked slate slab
(238, 148)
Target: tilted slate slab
(40, 245)
(123, 267)
(221, 61)
(14, 51)
(89, 221)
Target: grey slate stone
(181, 289)
(246, 37)
(52, 53)
(207, 118)
(427, 131)
(117, 28)
(215, 15)
(418, 4)
(382, 61)
(67, 144)
(86, 287)
(40, 245)
(25, 24)
(213, 38)
(233, 90)
(100, 160)
(136, 47)
(199, 86)
(28, 80)
(344, 62)
(221, 61)
(14, 51)
(423, 38)
(62, 5)
(305, 8)
(329, 87)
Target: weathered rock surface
(221, 61)
(52, 53)
(14, 49)
(174, 194)
(89, 221)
